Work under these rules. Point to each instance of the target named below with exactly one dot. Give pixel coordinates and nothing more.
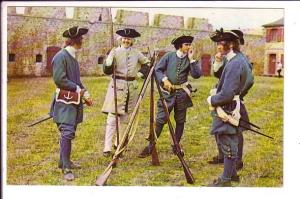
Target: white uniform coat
(128, 62)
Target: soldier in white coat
(129, 65)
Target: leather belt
(125, 78)
(182, 86)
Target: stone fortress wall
(36, 35)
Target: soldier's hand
(167, 85)
(87, 98)
(140, 75)
(219, 57)
(191, 53)
(89, 102)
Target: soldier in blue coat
(68, 114)
(218, 67)
(234, 83)
(172, 73)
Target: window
(38, 58)
(274, 35)
(11, 57)
(100, 60)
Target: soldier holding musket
(218, 67)
(67, 107)
(129, 64)
(235, 81)
(172, 73)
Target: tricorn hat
(241, 36)
(128, 32)
(182, 39)
(75, 32)
(223, 35)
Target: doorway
(272, 64)
(206, 64)
(51, 52)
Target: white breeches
(111, 129)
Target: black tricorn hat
(241, 36)
(223, 35)
(75, 32)
(128, 32)
(182, 39)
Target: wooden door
(51, 52)
(272, 64)
(206, 64)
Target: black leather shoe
(146, 152)
(219, 183)
(239, 165)
(107, 154)
(68, 174)
(73, 165)
(235, 178)
(216, 160)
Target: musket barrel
(101, 180)
(188, 174)
(256, 132)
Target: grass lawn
(32, 153)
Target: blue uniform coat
(236, 79)
(66, 75)
(177, 70)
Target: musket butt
(100, 181)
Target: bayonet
(40, 121)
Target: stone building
(35, 36)
(274, 47)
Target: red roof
(279, 22)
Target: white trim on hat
(75, 34)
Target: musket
(245, 121)
(114, 77)
(154, 155)
(101, 180)
(250, 129)
(40, 121)
(257, 132)
(188, 174)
